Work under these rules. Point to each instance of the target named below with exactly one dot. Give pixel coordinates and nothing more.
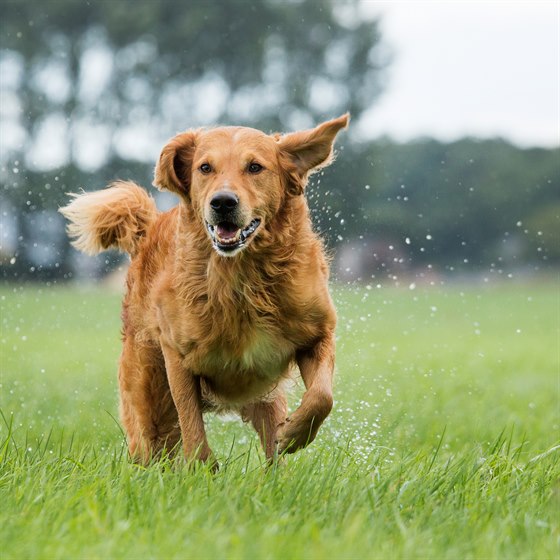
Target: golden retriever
(225, 293)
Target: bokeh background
(451, 167)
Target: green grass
(442, 444)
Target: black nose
(224, 202)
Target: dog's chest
(258, 352)
(265, 350)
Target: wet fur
(206, 332)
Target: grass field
(443, 442)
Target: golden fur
(216, 319)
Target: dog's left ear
(302, 153)
(173, 169)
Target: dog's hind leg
(147, 411)
(265, 416)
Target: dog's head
(236, 179)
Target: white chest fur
(263, 355)
(266, 351)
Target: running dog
(226, 293)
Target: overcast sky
(482, 68)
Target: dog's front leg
(316, 366)
(185, 390)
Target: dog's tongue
(226, 230)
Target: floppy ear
(173, 170)
(302, 153)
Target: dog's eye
(206, 168)
(255, 167)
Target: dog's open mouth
(227, 237)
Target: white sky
(481, 68)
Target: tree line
(126, 71)
(469, 204)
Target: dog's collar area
(227, 238)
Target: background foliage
(102, 85)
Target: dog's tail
(116, 217)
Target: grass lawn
(443, 442)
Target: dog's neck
(269, 261)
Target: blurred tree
(465, 205)
(91, 89)
(110, 67)
(543, 229)
(109, 81)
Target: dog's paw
(195, 463)
(294, 434)
(202, 456)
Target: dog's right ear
(173, 170)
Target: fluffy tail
(116, 217)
